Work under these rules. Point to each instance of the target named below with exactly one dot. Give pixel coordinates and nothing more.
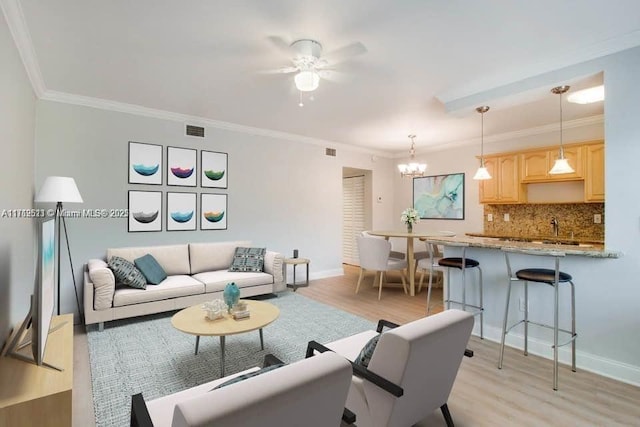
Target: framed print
(145, 210)
(145, 163)
(181, 211)
(439, 196)
(213, 167)
(213, 211)
(181, 166)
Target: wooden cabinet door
(575, 159)
(489, 187)
(594, 174)
(535, 166)
(509, 180)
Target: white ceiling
(202, 57)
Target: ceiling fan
(309, 63)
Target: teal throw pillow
(150, 269)
(127, 273)
(249, 375)
(366, 353)
(248, 259)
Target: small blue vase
(231, 295)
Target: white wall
(282, 194)
(17, 236)
(607, 290)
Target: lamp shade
(307, 80)
(59, 189)
(561, 166)
(482, 173)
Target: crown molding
(18, 27)
(522, 133)
(121, 107)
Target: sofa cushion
(104, 283)
(171, 287)
(248, 259)
(174, 259)
(127, 273)
(150, 269)
(213, 256)
(216, 280)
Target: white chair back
(374, 253)
(422, 357)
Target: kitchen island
(587, 263)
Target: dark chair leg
(447, 415)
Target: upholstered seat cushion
(216, 280)
(171, 287)
(456, 262)
(543, 275)
(174, 259)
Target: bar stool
(552, 278)
(461, 263)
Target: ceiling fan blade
(334, 76)
(282, 45)
(283, 70)
(346, 52)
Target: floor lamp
(59, 189)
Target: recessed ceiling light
(587, 96)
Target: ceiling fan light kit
(561, 165)
(307, 80)
(413, 169)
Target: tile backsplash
(535, 220)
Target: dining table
(410, 236)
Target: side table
(296, 262)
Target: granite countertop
(582, 249)
(525, 238)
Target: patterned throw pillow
(248, 259)
(150, 269)
(366, 353)
(249, 375)
(127, 273)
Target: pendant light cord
(561, 148)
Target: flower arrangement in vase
(410, 216)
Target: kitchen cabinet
(537, 164)
(504, 185)
(594, 180)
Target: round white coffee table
(193, 321)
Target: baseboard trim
(609, 368)
(326, 273)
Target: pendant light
(482, 172)
(561, 165)
(413, 169)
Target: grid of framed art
(181, 170)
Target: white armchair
(411, 371)
(310, 392)
(374, 256)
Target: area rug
(147, 355)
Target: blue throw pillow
(150, 269)
(127, 273)
(366, 353)
(249, 375)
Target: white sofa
(197, 272)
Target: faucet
(554, 223)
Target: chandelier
(413, 169)
(561, 165)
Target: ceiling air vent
(330, 152)
(195, 131)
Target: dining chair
(374, 256)
(393, 254)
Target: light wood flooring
(518, 395)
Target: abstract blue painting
(439, 196)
